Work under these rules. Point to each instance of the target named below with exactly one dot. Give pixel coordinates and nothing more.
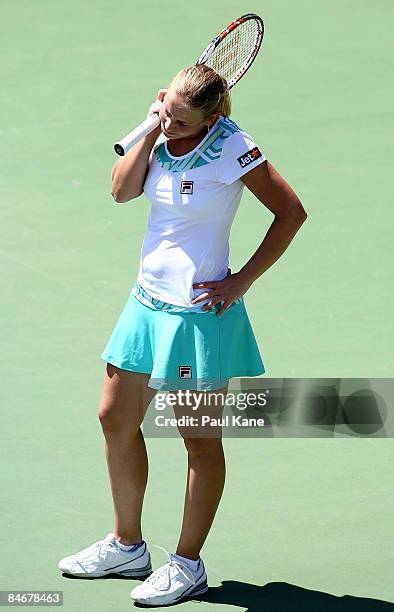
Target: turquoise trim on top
(208, 150)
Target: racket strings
(236, 51)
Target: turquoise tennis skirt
(182, 348)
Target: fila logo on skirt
(185, 371)
(187, 187)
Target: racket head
(234, 49)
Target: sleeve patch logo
(249, 157)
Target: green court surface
(302, 522)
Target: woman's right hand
(154, 108)
(156, 105)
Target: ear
(211, 120)
(161, 95)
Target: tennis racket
(230, 53)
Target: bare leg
(205, 483)
(124, 401)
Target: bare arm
(276, 194)
(129, 172)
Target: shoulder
(159, 154)
(224, 135)
(235, 139)
(227, 130)
(232, 129)
(239, 152)
(159, 144)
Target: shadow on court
(283, 597)
(107, 577)
(273, 597)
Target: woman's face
(178, 120)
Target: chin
(169, 136)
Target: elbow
(121, 198)
(297, 211)
(117, 197)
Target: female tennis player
(184, 325)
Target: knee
(108, 418)
(203, 446)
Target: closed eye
(167, 112)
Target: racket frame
(208, 51)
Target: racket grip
(137, 134)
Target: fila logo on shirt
(187, 187)
(249, 157)
(185, 371)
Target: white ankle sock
(191, 563)
(128, 548)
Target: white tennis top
(194, 199)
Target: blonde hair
(203, 89)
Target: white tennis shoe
(105, 557)
(170, 583)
